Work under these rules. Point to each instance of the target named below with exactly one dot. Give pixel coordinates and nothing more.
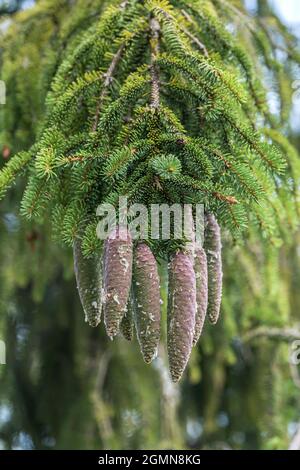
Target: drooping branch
(272, 333)
(108, 77)
(107, 82)
(193, 38)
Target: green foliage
(156, 100)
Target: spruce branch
(234, 169)
(108, 76)
(192, 183)
(154, 69)
(193, 38)
(183, 29)
(12, 169)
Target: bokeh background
(66, 386)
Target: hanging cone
(117, 278)
(181, 313)
(200, 267)
(146, 301)
(198, 258)
(213, 248)
(88, 273)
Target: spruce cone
(181, 313)
(199, 260)
(200, 266)
(189, 232)
(126, 327)
(117, 278)
(146, 301)
(213, 248)
(88, 273)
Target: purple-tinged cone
(181, 313)
(88, 273)
(198, 258)
(117, 278)
(146, 292)
(213, 248)
(200, 267)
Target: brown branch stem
(193, 38)
(272, 333)
(154, 44)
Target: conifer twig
(222, 197)
(74, 158)
(154, 44)
(245, 19)
(231, 200)
(193, 38)
(107, 82)
(109, 76)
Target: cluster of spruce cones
(124, 284)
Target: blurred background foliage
(66, 386)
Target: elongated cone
(213, 248)
(146, 292)
(198, 257)
(200, 267)
(181, 312)
(126, 327)
(189, 231)
(88, 273)
(117, 278)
